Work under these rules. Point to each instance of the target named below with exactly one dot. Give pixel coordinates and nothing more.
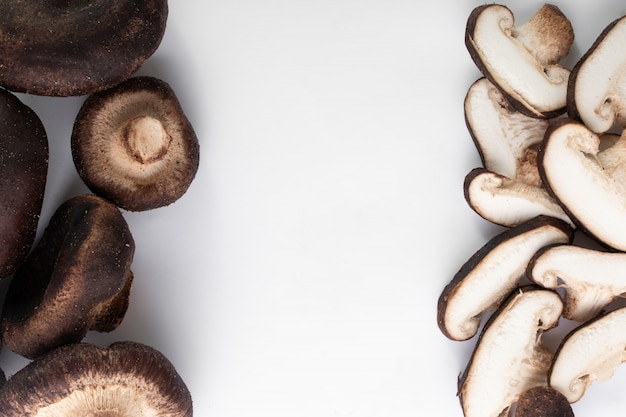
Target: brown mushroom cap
(543, 402)
(23, 172)
(133, 145)
(68, 48)
(76, 279)
(123, 380)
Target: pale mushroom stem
(146, 139)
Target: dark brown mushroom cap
(69, 48)
(543, 402)
(125, 379)
(133, 145)
(76, 279)
(23, 172)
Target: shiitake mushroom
(124, 379)
(23, 175)
(77, 278)
(71, 48)
(133, 144)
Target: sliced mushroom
(70, 48)
(125, 379)
(542, 402)
(593, 194)
(76, 279)
(23, 175)
(591, 278)
(506, 201)
(509, 357)
(492, 273)
(133, 145)
(597, 86)
(523, 61)
(588, 354)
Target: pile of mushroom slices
(554, 176)
(135, 150)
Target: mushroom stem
(147, 141)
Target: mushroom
(587, 180)
(507, 202)
(23, 174)
(508, 190)
(589, 353)
(596, 93)
(124, 379)
(133, 145)
(523, 61)
(591, 278)
(77, 278)
(509, 357)
(491, 273)
(542, 402)
(71, 48)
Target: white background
(299, 275)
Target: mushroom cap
(69, 48)
(543, 402)
(528, 77)
(492, 272)
(125, 379)
(596, 93)
(509, 357)
(592, 194)
(77, 278)
(133, 145)
(589, 353)
(23, 174)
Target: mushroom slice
(523, 61)
(491, 273)
(597, 87)
(542, 402)
(23, 175)
(591, 278)
(506, 201)
(71, 48)
(77, 278)
(509, 357)
(506, 139)
(589, 353)
(133, 145)
(124, 379)
(592, 193)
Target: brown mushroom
(69, 48)
(23, 172)
(133, 145)
(542, 401)
(124, 379)
(76, 279)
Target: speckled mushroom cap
(133, 144)
(23, 175)
(125, 379)
(70, 48)
(77, 278)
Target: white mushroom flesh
(508, 202)
(591, 353)
(509, 358)
(591, 279)
(540, 89)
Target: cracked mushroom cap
(597, 86)
(125, 379)
(522, 60)
(23, 175)
(133, 145)
(77, 278)
(70, 48)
